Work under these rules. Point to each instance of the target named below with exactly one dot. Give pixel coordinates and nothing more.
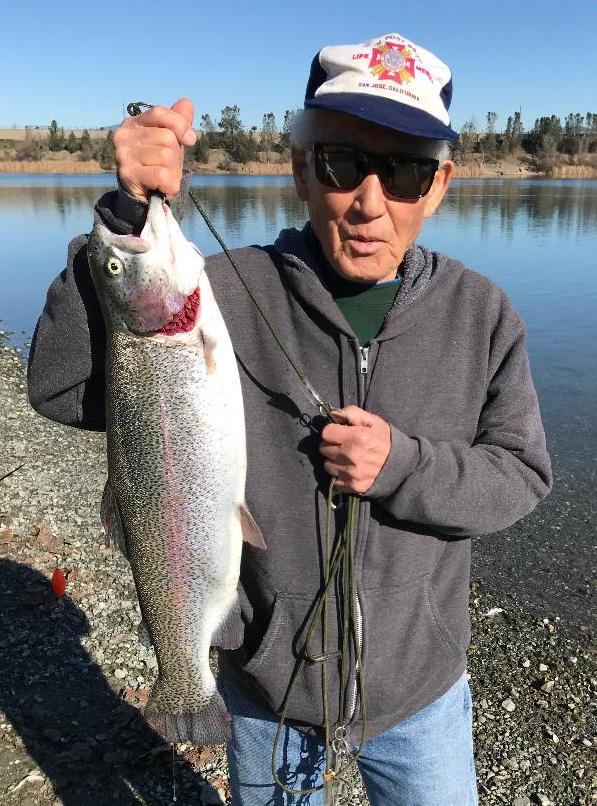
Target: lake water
(536, 238)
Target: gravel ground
(74, 676)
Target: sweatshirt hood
(424, 274)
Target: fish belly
(176, 467)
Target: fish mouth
(185, 319)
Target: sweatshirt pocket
(275, 660)
(408, 649)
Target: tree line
(545, 142)
(241, 143)
(100, 149)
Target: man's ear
(439, 188)
(299, 172)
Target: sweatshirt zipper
(364, 370)
(364, 360)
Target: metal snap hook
(135, 108)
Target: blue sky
(80, 62)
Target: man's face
(364, 233)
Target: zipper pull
(364, 360)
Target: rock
(120, 673)
(547, 687)
(45, 538)
(508, 705)
(6, 536)
(493, 611)
(526, 663)
(522, 801)
(543, 667)
(542, 799)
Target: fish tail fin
(209, 724)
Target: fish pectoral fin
(231, 632)
(251, 532)
(111, 521)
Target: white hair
(320, 125)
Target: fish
(174, 501)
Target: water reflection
(237, 210)
(567, 205)
(237, 202)
(61, 199)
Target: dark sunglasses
(403, 176)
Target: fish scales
(170, 459)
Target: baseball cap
(389, 81)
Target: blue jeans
(426, 760)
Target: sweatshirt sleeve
(65, 372)
(466, 490)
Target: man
(439, 433)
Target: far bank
(505, 169)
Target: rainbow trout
(174, 501)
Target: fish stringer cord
(339, 571)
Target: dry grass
(50, 167)
(469, 171)
(263, 168)
(42, 133)
(574, 172)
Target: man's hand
(149, 149)
(355, 452)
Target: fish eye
(114, 267)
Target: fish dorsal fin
(251, 532)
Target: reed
(574, 172)
(50, 167)
(262, 168)
(469, 171)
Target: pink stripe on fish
(176, 550)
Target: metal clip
(135, 107)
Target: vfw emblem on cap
(392, 61)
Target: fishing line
(324, 408)
(173, 775)
(339, 572)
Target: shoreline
(509, 171)
(530, 674)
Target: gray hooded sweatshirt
(448, 371)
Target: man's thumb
(353, 415)
(186, 108)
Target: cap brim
(385, 112)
